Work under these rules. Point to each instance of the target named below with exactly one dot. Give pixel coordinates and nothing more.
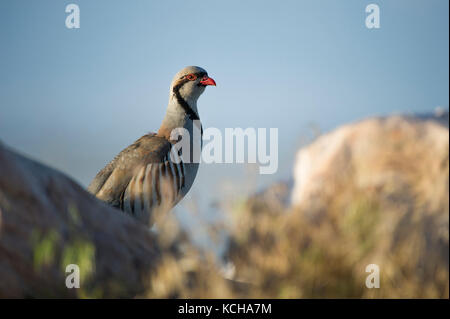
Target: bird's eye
(191, 77)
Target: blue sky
(74, 98)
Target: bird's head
(190, 83)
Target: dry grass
(290, 253)
(392, 211)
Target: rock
(47, 221)
(398, 150)
(383, 185)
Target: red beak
(208, 81)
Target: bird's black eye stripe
(198, 75)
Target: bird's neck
(181, 113)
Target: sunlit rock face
(391, 153)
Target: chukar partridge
(148, 174)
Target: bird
(152, 174)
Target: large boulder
(401, 151)
(379, 192)
(47, 222)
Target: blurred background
(74, 98)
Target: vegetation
(390, 209)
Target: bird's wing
(141, 177)
(127, 154)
